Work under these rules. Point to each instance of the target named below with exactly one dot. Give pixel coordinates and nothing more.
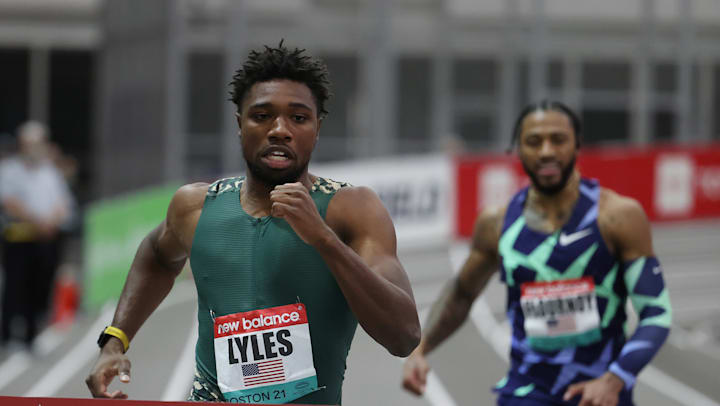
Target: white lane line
(81, 354)
(19, 362)
(435, 392)
(13, 367)
(50, 339)
(71, 363)
(499, 339)
(674, 389)
(497, 334)
(178, 386)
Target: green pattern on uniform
(510, 262)
(562, 341)
(574, 271)
(530, 255)
(662, 300)
(633, 272)
(501, 383)
(204, 390)
(632, 275)
(605, 289)
(537, 261)
(524, 390)
(538, 258)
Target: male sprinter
(570, 253)
(286, 263)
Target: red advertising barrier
(17, 401)
(671, 183)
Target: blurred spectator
(7, 145)
(66, 164)
(36, 202)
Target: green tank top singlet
(242, 263)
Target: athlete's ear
(317, 133)
(239, 122)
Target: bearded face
(554, 185)
(548, 150)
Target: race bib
(560, 314)
(265, 356)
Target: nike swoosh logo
(567, 239)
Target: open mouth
(277, 157)
(549, 170)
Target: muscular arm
(625, 226)
(364, 261)
(453, 306)
(150, 279)
(158, 261)
(630, 233)
(357, 242)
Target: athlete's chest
(535, 247)
(238, 243)
(533, 255)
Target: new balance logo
(567, 239)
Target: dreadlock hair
(282, 63)
(547, 105)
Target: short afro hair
(282, 63)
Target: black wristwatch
(103, 339)
(111, 331)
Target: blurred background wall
(137, 90)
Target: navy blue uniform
(566, 296)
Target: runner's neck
(555, 208)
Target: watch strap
(119, 334)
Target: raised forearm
(452, 307)
(147, 284)
(383, 308)
(447, 315)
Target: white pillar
(685, 130)
(706, 100)
(442, 82)
(235, 49)
(508, 73)
(538, 53)
(376, 130)
(39, 84)
(642, 89)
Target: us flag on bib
(259, 373)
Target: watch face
(103, 339)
